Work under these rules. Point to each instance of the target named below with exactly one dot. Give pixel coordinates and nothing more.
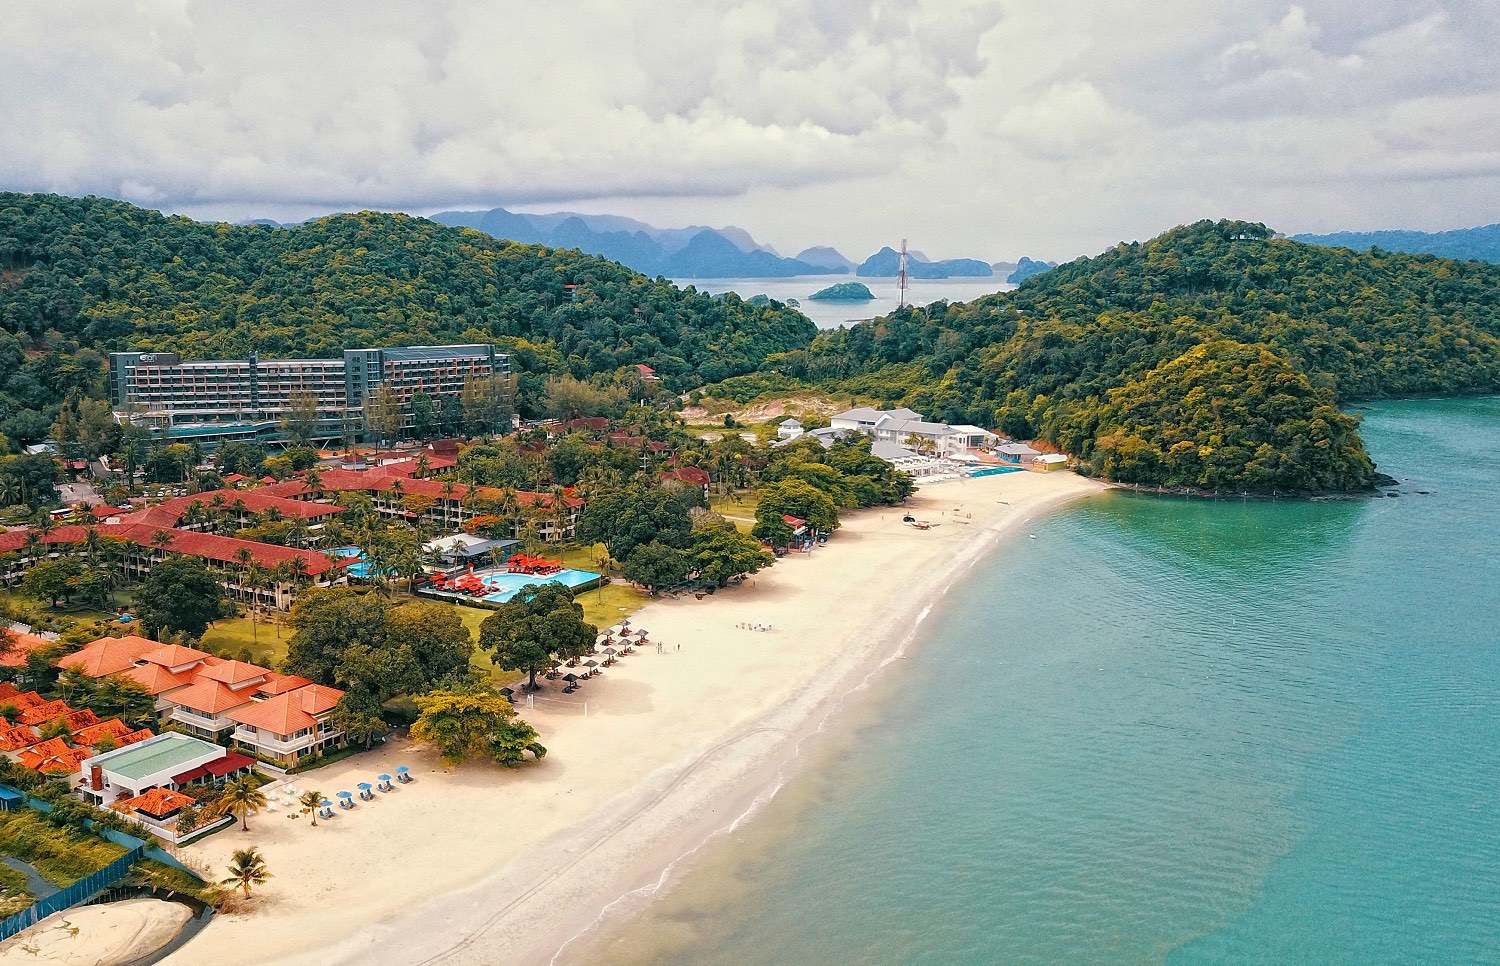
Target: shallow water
(1164, 730)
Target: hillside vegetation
(1213, 356)
(88, 275)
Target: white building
(138, 768)
(905, 460)
(789, 429)
(912, 431)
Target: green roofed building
(154, 763)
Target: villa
(912, 431)
(165, 761)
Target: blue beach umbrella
(346, 794)
(384, 778)
(364, 786)
(402, 769)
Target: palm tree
(311, 800)
(241, 798)
(247, 867)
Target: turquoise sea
(1163, 731)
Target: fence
(71, 895)
(90, 884)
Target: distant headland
(844, 292)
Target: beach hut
(403, 774)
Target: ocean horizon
(830, 315)
(1164, 730)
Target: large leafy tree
(241, 798)
(53, 581)
(474, 724)
(797, 498)
(180, 594)
(624, 519)
(327, 621)
(655, 565)
(720, 552)
(540, 622)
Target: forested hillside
(81, 276)
(1481, 243)
(1213, 356)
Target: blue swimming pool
(997, 470)
(506, 585)
(361, 568)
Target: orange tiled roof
(8, 690)
(281, 684)
(39, 753)
(133, 737)
(81, 719)
(18, 647)
(24, 700)
(113, 728)
(109, 655)
(158, 803)
(44, 712)
(234, 672)
(290, 712)
(208, 697)
(157, 679)
(65, 762)
(17, 737)
(174, 655)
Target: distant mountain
(693, 252)
(886, 263)
(825, 257)
(1481, 244)
(1026, 268)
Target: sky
(1049, 128)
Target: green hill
(80, 276)
(1213, 356)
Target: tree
(472, 724)
(423, 416)
(440, 643)
(570, 398)
(655, 565)
(120, 697)
(773, 530)
(327, 621)
(301, 420)
(52, 580)
(628, 518)
(539, 621)
(720, 552)
(241, 798)
(360, 716)
(384, 414)
(311, 800)
(247, 867)
(187, 819)
(799, 499)
(180, 594)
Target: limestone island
(844, 292)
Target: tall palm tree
(311, 800)
(241, 798)
(247, 867)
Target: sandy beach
(111, 932)
(482, 864)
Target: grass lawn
(236, 634)
(740, 503)
(62, 857)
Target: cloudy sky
(994, 129)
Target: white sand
(485, 864)
(111, 932)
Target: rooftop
(162, 753)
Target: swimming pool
(506, 585)
(362, 568)
(997, 470)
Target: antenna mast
(901, 278)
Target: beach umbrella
(346, 796)
(591, 663)
(641, 633)
(570, 678)
(510, 694)
(364, 786)
(384, 778)
(624, 622)
(610, 651)
(402, 769)
(325, 803)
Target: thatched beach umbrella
(510, 694)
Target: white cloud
(1050, 127)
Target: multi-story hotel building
(222, 399)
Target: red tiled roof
(141, 529)
(217, 768)
(18, 646)
(233, 672)
(65, 762)
(109, 655)
(208, 697)
(290, 712)
(8, 690)
(169, 513)
(24, 700)
(380, 481)
(133, 737)
(158, 803)
(689, 474)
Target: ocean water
(1162, 731)
(828, 315)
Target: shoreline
(679, 750)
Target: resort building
(1050, 461)
(154, 763)
(789, 429)
(912, 431)
(1017, 452)
(461, 549)
(280, 717)
(214, 401)
(903, 459)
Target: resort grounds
(481, 864)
